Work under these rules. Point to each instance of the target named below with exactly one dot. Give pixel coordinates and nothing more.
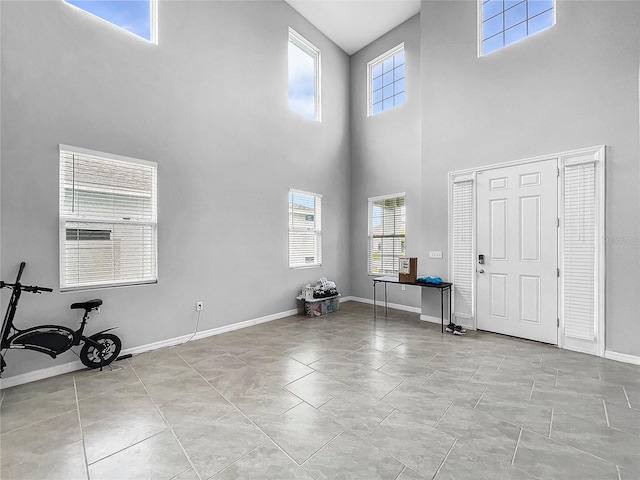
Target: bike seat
(90, 305)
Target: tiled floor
(339, 396)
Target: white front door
(517, 236)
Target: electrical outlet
(404, 287)
(199, 306)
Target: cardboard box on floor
(408, 271)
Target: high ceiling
(353, 24)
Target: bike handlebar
(26, 288)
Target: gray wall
(209, 105)
(386, 157)
(572, 86)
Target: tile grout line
(551, 422)
(533, 385)
(627, 396)
(164, 419)
(606, 415)
(515, 451)
(84, 447)
(455, 441)
(480, 398)
(249, 419)
(443, 414)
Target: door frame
(594, 155)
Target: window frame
(309, 48)
(371, 237)
(370, 65)
(317, 229)
(64, 219)
(153, 21)
(480, 3)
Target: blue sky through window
(132, 15)
(507, 21)
(302, 81)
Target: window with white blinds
(580, 249)
(462, 247)
(305, 229)
(387, 227)
(108, 220)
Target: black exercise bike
(97, 351)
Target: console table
(443, 287)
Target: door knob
(481, 270)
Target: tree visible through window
(507, 21)
(387, 226)
(135, 16)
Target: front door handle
(481, 270)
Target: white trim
(622, 357)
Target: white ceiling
(353, 24)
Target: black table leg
(441, 311)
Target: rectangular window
(305, 229)
(387, 221)
(108, 220)
(304, 76)
(386, 81)
(503, 22)
(136, 16)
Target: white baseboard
(380, 303)
(622, 357)
(40, 374)
(77, 365)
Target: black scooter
(97, 351)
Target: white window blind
(305, 229)
(108, 220)
(462, 245)
(387, 228)
(579, 269)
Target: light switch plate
(435, 254)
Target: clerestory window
(136, 16)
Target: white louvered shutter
(579, 269)
(462, 244)
(108, 221)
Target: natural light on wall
(503, 22)
(304, 77)
(136, 16)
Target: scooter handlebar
(36, 289)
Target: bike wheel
(93, 357)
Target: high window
(136, 16)
(305, 229)
(387, 221)
(504, 22)
(108, 220)
(385, 80)
(304, 76)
